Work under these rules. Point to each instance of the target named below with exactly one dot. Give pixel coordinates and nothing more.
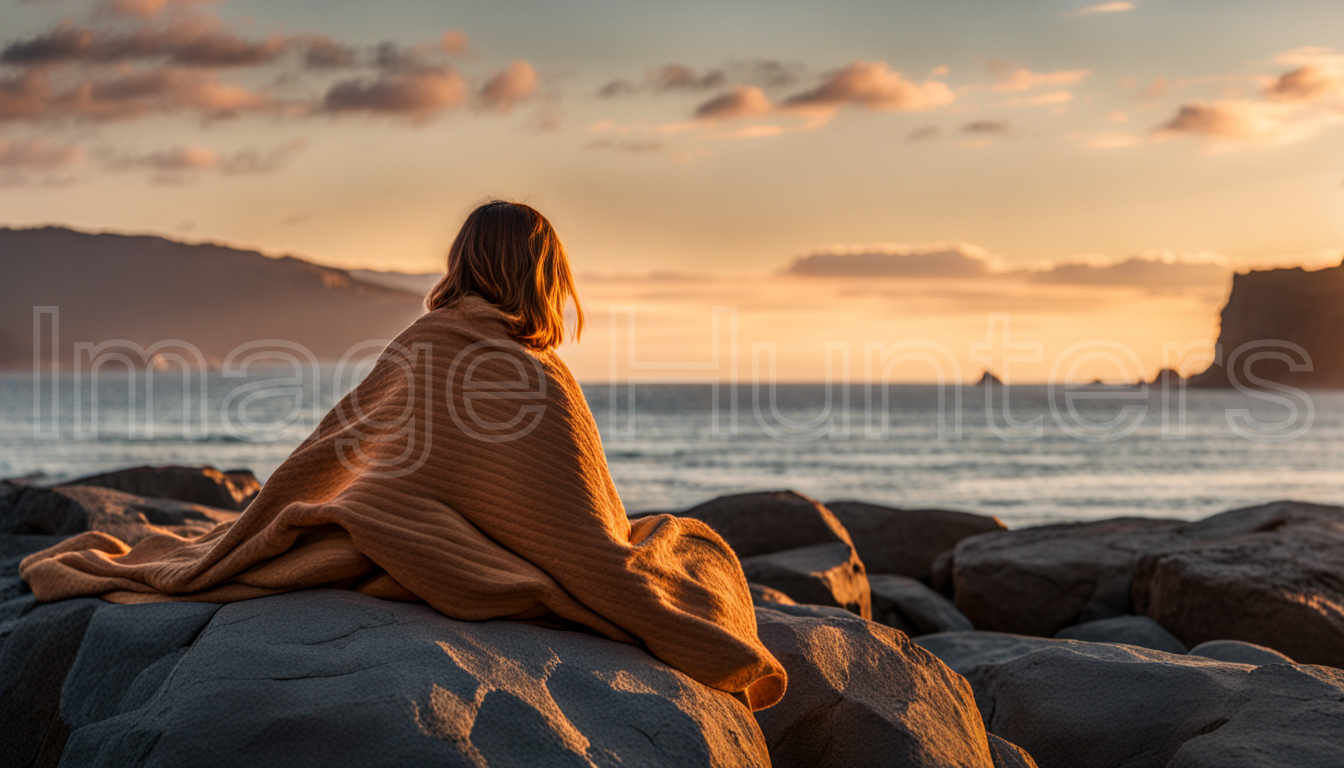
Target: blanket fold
(467, 472)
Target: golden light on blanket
(465, 472)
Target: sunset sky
(846, 172)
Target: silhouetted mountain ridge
(144, 289)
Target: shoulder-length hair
(509, 255)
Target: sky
(842, 173)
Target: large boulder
(1072, 703)
(764, 522)
(1139, 631)
(906, 542)
(1237, 652)
(1279, 584)
(822, 574)
(903, 603)
(328, 677)
(233, 489)
(1036, 581)
(861, 695)
(61, 511)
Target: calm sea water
(677, 445)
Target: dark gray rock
(1271, 575)
(336, 678)
(1036, 581)
(1008, 755)
(761, 523)
(1140, 631)
(906, 542)
(822, 574)
(762, 595)
(37, 649)
(1237, 652)
(964, 651)
(809, 611)
(908, 605)
(861, 695)
(233, 489)
(61, 511)
(1071, 703)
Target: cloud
(1295, 105)
(987, 128)
(1113, 7)
(38, 154)
(1156, 90)
(31, 96)
(741, 101)
(763, 73)
(871, 85)
(922, 133)
(143, 9)
(1161, 271)
(180, 163)
(936, 260)
(455, 41)
(321, 52)
(1053, 98)
(189, 41)
(1008, 78)
(417, 94)
(630, 146)
(509, 88)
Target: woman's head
(509, 255)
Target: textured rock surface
(41, 511)
(1036, 581)
(1072, 703)
(905, 542)
(908, 605)
(232, 490)
(761, 523)
(337, 678)
(861, 695)
(1140, 631)
(1280, 584)
(1237, 652)
(1009, 755)
(822, 574)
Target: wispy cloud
(1092, 10)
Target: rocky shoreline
(911, 637)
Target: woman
(465, 471)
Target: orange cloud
(38, 154)
(741, 101)
(1020, 79)
(509, 88)
(417, 94)
(872, 85)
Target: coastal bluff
(1055, 646)
(1303, 308)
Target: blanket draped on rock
(467, 472)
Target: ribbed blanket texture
(467, 472)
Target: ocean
(1083, 454)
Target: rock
(762, 595)
(1139, 631)
(1071, 703)
(1237, 652)
(964, 651)
(61, 511)
(328, 677)
(906, 542)
(940, 574)
(1036, 581)
(36, 653)
(232, 490)
(822, 574)
(810, 611)
(1280, 585)
(1008, 755)
(761, 523)
(861, 695)
(906, 604)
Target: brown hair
(509, 254)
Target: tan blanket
(468, 473)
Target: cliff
(1283, 305)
